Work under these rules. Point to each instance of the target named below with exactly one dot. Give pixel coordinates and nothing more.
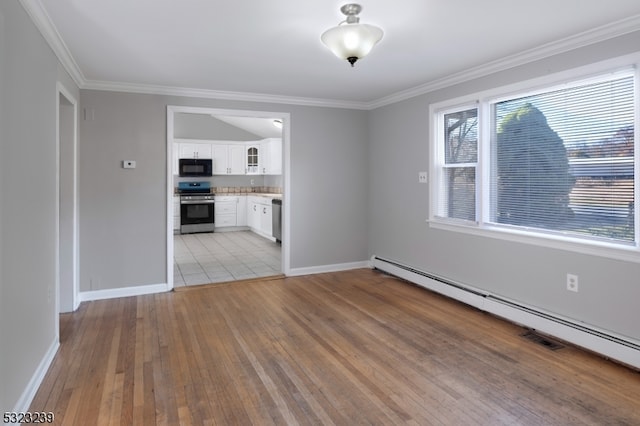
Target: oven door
(196, 216)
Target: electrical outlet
(572, 282)
(422, 177)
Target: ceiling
(259, 50)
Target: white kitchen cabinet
(225, 211)
(241, 211)
(236, 160)
(253, 213)
(228, 159)
(271, 156)
(259, 215)
(195, 150)
(220, 154)
(266, 213)
(253, 152)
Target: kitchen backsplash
(246, 189)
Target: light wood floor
(347, 348)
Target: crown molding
(595, 35)
(43, 22)
(219, 94)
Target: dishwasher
(276, 219)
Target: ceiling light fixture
(278, 123)
(350, 39)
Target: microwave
(193, 167)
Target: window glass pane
(459, 193)
(563, 160)
(461, 136)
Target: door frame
(286, 163)
(62, 92)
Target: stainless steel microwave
(193, 167)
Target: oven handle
(198, 202)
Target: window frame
(534, 236)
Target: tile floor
(223, 256)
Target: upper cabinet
(234, 158)
(195, 150)
(271, 156)
(228, 159)
(253, 158)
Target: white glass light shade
(351, 41)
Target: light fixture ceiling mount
(350, 39)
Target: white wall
(609, 288)
(123, 212)
(28, 75)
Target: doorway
(235, 252)
(67, 289)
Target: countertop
(239, 194)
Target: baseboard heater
(618, 348)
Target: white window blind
(563, 160)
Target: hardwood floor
(355, 347)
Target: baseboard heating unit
(618, 348)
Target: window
(558, 161)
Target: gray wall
(609, 289)
(354, 193)
(123, 212)
(28, 74)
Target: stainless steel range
(197, 207)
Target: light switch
(128, 164)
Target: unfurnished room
(411, 212)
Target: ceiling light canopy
(278, 123)
(350, 39)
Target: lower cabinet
(241, 211)
(259, 215)
(225, 211)
(244, 211)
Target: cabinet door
(195, 150)
(203, 150)
(264, 157)
(187, 150)
(253, 215)
(253, 164)
(220, 154)
(266, 213)
(236, 160)
(241, 211)
(275, 157)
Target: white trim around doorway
(286, 209)
(61, 90)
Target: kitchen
(227, 185)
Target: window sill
(629, 253)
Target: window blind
(563, 160)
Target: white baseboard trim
(113, 293)
(328, 268)
(23, 404)
(608, 344)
